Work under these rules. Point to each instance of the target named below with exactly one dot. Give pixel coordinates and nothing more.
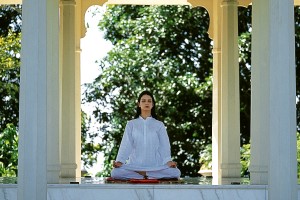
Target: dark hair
(138, 109)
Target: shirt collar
(150, 117)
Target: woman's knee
(174, 172)
(116, 172)
(177, 172)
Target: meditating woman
(145, 151)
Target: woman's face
(146, 103)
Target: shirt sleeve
(164, 144)
(126, 144)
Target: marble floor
(90, 188)
(102, 180)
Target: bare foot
(143, 173)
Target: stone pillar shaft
(226, 105)
(273, 114)
(54, 99)
(71, 112)
(230, 104)
(215, 15)
(39, 115)
(260, 86)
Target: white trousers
(120, 173)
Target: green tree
(89, 150)
(166, 50)
(9, 79)
(297, 53)
(298, 154)
(10, 46)
(10, 43)
(244, 43)
(9, 151)
(10, 17)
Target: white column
(39, 64)
(216, 118)
(77, 87)
(229, 89)
(71, 113)
(215, 16)
(273, 122)
(226, 105)
(260, 96)
(53, 98)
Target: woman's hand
(117, 164)
(172, 164)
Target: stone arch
(85, 5)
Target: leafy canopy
(10, 46)
(164, 49)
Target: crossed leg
(120, 173)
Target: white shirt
(145, 145)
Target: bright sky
(93, 47)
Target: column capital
(68, 2)
(245, 3)
(229, 3)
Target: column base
(258, 175)
(231, 181)
(69, 171)
(53, 174)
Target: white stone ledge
(146, 192)
(156, 186)
(157, 192)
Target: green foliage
(244, 44)
(9, 151)
(297, 53)
(89, 150)
(166, 50)
(9, 79)
(10, 51)
(10, 18)
(245, 159)
(206, 157)
(10, 47)
(298, 154)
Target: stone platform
(192, 189)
